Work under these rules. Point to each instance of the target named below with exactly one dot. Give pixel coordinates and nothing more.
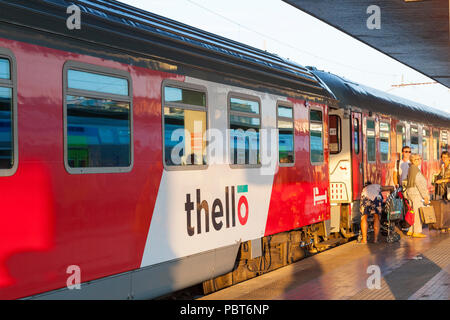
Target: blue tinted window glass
(356, 135)
(316, 136)
(384, 141)
(97, 82)
(98, 133)
(286, 141)
(316, 143)
(285, 112)
(371, 149)
(6, 134)
(5, 69)
(244, 140)
(244, 105)
(185, 96)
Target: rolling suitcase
(442, 213)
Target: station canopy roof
(414, 32)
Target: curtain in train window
(285, 134)
(6, 116)
(414, 134)
(98, 120)
(371, 144)
(401, 138)
(426, 144)
(184, 127)
(384, 141)
(316, 136)
(245, 125)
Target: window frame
(243, 96)
(12, 84)
(375, 138)
(339, 134)
(318, 108)
(289, 105)
(188, 86)
(96, 69)
(389, 140)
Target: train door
(340, 162)
(340, 166)
(357, 155)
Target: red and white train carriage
(139, 152)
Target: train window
(5, 69)
(316, 136)
(356, 135)
(385, 130)
(414, 134)
(97, 119)
(244, 125)
(285, 123)
(185, 96)
(87, 81)
(444, 141)
(185, 124)
(436, 153)
(401, 137)
(371, 145)
(335, 134)
(425, 144)
(8, 119)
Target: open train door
(357, 156)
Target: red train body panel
(122, 223)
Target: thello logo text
(220, 214)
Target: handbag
(409, 218)
(409, 215)
(427, 215)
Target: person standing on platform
(401, 167)
(444, 176)
(417, 194)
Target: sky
(279, 28)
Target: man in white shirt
(402, 166)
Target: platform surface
(412, 268)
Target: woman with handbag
(417, 194)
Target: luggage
(394, 207)
(442, 213)
(427, 215)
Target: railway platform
(411, 269)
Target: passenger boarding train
(109, 175)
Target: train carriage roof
(122, 26)
(351, 94)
